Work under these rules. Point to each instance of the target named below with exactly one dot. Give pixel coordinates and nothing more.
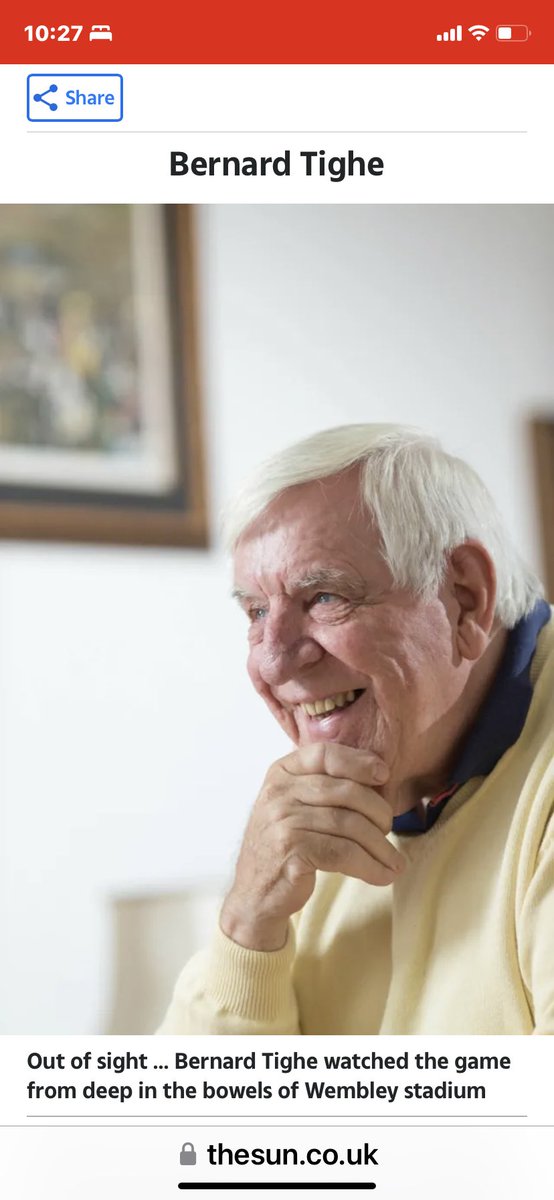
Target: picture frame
(542, 431)
(101, 431)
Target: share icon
(40, 96)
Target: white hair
(423, 501)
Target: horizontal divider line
(301, 1116)
(279, 132)
(166, 1125)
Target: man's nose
(285, 649)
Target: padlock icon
(188, 1155)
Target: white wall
(130, 745)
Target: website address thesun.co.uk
(278, 1156)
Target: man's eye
(324, 597)
(256, 614)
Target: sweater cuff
(254, 984)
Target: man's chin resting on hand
(397, 872)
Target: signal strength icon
(452, 35)
(478, 31)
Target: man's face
(327, 625)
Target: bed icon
(100, 33)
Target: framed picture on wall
(543, 446)
(100, 420)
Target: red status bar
(309, 31)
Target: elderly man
(397, 872)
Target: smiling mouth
(322, 708)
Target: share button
(88, 97)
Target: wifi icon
(478, 31)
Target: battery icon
(512, 33)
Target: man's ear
(471, 582)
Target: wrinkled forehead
(309, 527)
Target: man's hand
(317, 810)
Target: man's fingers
(343, 825)
(338, 761)
(318, 852)
(321, 790)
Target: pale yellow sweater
(463, 942)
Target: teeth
(318, 707)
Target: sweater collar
(498, 724)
